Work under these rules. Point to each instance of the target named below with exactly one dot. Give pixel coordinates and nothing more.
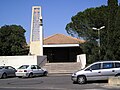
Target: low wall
(114, 81)
(82, 60)
(17, 61)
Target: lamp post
(98, 29)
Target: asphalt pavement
(52, 82)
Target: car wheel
(4, 75)
(45, 73)
(30, 75)
(81, 79)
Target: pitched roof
(61, 39)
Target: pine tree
(113, 8)
(117, 35)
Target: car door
(11, 71)
(107, 70)
(117, 68)
(93, 72)
(7, 71)
(40, 70)
(34, 70)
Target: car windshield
(23, 67)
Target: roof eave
(62, 45)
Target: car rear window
(24, 67)
(117, 65)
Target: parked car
(97, 71)
(7, 71)
(30, 71)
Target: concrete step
(62, 67)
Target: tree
(81, 27)
(117, 35)
(12, 40)
(111, 32)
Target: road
(51, 82)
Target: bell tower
(36, 37)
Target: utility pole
(98, 29)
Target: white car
(97, 71)
(30, 71)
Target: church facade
(57, 48)
(62, 48)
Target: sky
(56, 14)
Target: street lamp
(98, 29)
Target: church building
(62, 48)
(58, 47)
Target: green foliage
(111, 31)
(81, 27)
(91, 49)
(117, 35)
(82, 23)
(12, 41)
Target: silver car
(30, 71)
(97, 71)
(7, 71)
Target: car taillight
(25, 70)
